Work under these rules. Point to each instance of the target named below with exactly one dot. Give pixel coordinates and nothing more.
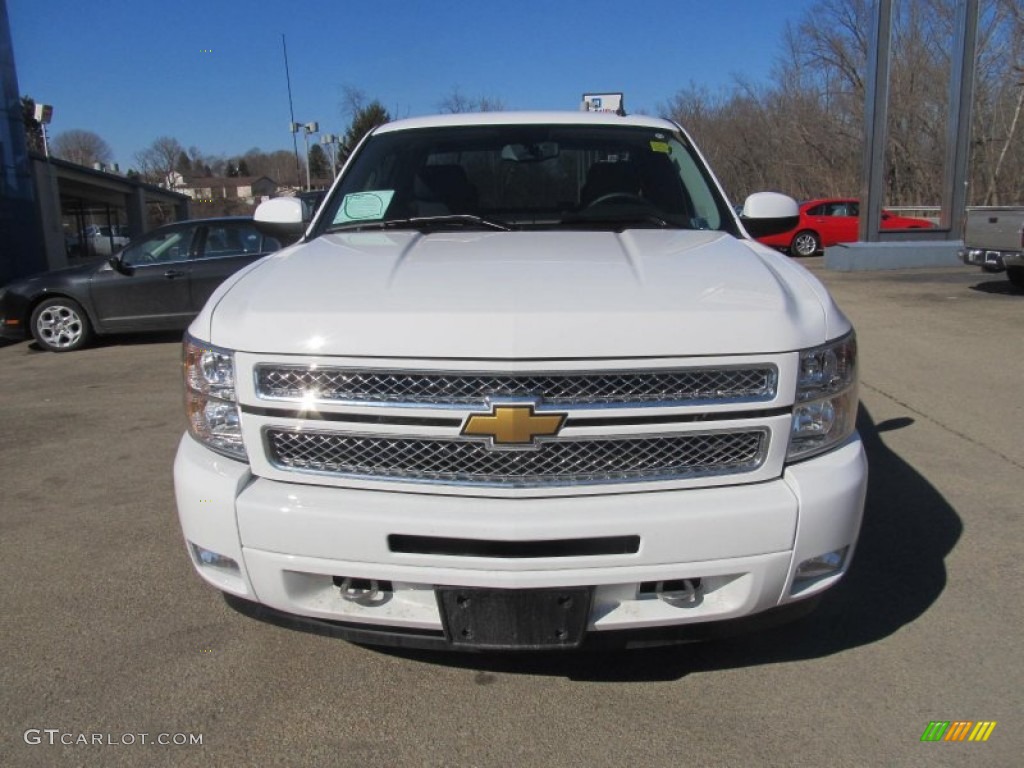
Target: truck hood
(522, 295)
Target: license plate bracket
(514, 619)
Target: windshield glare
(526, 176)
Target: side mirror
(282, 217)
(119, 266)
(769, 213)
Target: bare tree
(278, 165)
(456, 102)
(353, 100)
(82, 147)
(998, 136)
(804, 132)
(157, 163)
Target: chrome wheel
(60, 325)
(805, 244)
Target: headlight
(210, 402)
(825, 412)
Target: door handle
(170, 274)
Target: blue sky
(211, 74)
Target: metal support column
(135, 204)
(961, 100)
(876, 109)
(958, 133)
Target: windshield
(526, 176)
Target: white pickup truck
(525, 382)
(994, 241)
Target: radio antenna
(291, 109)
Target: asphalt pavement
(113, 645)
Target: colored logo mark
(958, 730)
(515, 425)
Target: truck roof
(526, 118)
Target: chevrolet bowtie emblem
(513, 426)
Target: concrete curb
(859, 257)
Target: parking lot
(108, 633)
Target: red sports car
(829, 221)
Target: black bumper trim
(452, 547)
(434, 640)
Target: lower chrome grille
(563, 461)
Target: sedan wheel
(805, 243)
(60, 325)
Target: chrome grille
(453, 389)
(557, 462)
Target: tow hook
(359, 590)
(680, 593)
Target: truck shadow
(897, 573)
(1000, 286)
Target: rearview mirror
(530, 153)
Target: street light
(331, 141)
(43, 115)
(306, 129)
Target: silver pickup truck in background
(994, 241)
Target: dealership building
(54, 213)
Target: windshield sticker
(364, 206)
(660, 146)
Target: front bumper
(291, 544)
(13, 316)
(12, 332)
(616, 639)
(12, 328)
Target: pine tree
(365, 120)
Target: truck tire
(60, 325)
(1016, 275)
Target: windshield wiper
(619, 223)
(451, 220)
